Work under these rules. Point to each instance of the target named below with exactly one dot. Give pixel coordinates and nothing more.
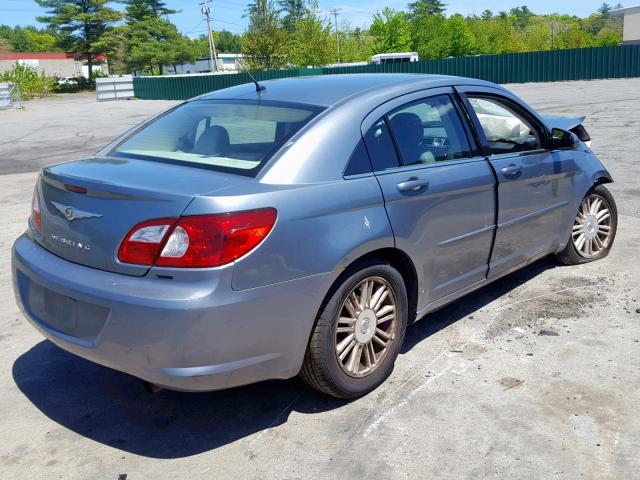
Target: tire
(574, 253)
(322, 368)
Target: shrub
(75, 84)
(32, 84)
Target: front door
(535, 184)
(439, 194)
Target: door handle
(414, 184)
(512, 171)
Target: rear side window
(506, 130)
(359, 162)
(429, 131)
(232, 136)
(380, 147)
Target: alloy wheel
(366, 327)
(591, 232)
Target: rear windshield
(233, 136)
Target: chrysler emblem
(71, 213)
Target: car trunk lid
(89, 206)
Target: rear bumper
(195, 333)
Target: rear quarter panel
(320, 228)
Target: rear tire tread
(315, 371)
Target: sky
(228, 14)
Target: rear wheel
(594, 228)
(359, 332)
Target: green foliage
(77, 84)
(28, 39)
(5, 45)
(425, 8)
(32, 84)
(391, 31)
(425, 29)
(461, 39)
(147, 42)
(226, 42)
(293, 33)
(356, 45)
(309, 42)
(81, 24)
(138, 10)
(430, 36)
(294, 11)
(264, 43)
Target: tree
(605, 10)
(148, 42)
(148, 45)
(356, 45)
(486, 15)
(608, 37)
(82, 24)
(391, 31)
(309, 43)
(461, 39)
(227, 42)
(138, 10)
(5, 46)
(29, 39)
(264, 42)
(521, 15)
(40, 41)
(294, 10)
(421, 8)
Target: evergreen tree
(138, 10)
(81, 23)
(421, 8)
(294, 11)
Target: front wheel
(594, 228)
(359, 332)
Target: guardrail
(547, 66)
(114, 88)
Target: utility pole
(213, 57)
(334, 12)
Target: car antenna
(259, 88)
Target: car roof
(327, 90)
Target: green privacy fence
(549, 66)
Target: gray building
(58, 64)
(631, 18)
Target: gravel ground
(535, 376)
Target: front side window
(232, 136)
(506, 131)
(429, 131)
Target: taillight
(36, 216)
(197, 241)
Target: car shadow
(472, 302)
(115, 409)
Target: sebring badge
(71, 243)
(71, 213)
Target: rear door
(535, 184)
(438, 191)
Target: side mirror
(563, 140)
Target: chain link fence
(10, 96)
